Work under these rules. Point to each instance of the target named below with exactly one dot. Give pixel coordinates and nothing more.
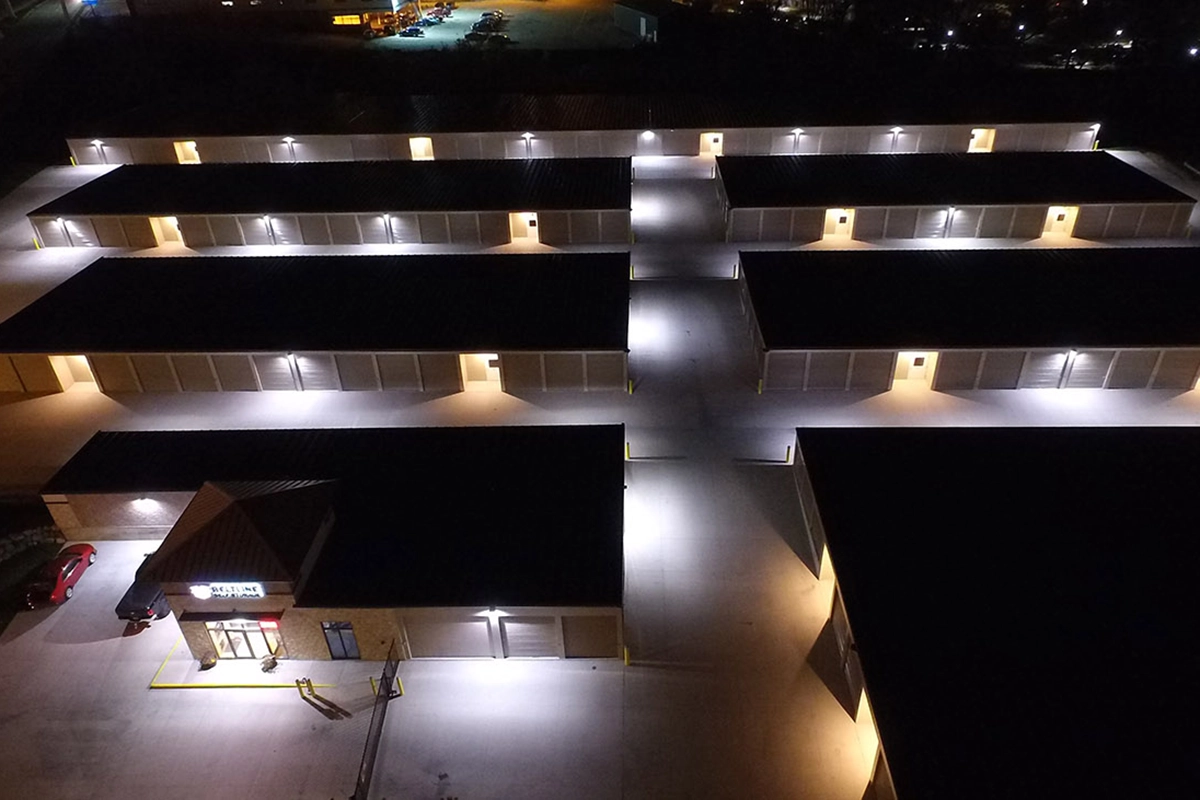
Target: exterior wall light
(647, 136)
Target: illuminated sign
(204, 591)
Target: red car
(56, 582)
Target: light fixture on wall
(291, 143)
(647, 136)
(528, 137)
(99, 145)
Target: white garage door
(452, 638)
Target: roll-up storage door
(493, 227)
(1090, 222)
(869, 223)
(398, 371)
(225, 231)
(931, 223)
(965, 223)
(808, 224)
(827, 370)
(313, 229)
(585, 227)
(405, 229)
(1028, 221)
(374, 231)
(317, 372)
(529, 637)
(785, 370)
(901, 223)
(274, 373)
(1177, 370)
(1001, 369)
(564, 370)
(434, 228)
(605, 371)
(235, 373)
(155, 373)
(464, 228)
(1156, 222)
(1089, 369)
(343, 228)
(50, 232)
(109, 232)
(37, 374)
(614, 227)
(9, 380)
(1133, 369)
(996, 222)
(196, 233)
(286, 229)
(956, 370)
(254, 230)
(460, 638)
(1123, 222)
(553, 228)
(439, 372)
(872, 371)
(1043, 369)
(138, 232)
(114, 373)
(521, 371)
(776, 224)
(591, 637)
(744, 224)
(357, 372)
(195, 373)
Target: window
(340, 638)
(919, 361)
(347, 19)
(241, 638)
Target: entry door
(712, 144)
(1061, 220)
(523, 226)
(480, 371)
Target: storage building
(315, 544)
(991, 676)
(493, 126)
(1120, 318)
(437, 324)
(943, 195)
(568, 201)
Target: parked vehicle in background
(55, 582)
(144, 600)
(412, 31)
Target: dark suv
(144, 600)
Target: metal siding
(254, 229)
(521, 371)
(965, 223)
(606, 371)
(113, 373)
(225, 230)
(195, 373)
(373, 229)
(357, 371)
(553, 227)
(343, 228)
(464, 228)
(808, 224)
(564, 371)
(591, 637)
(1177, 370)
(1090, 222)
(529, 637)
(434, 228)
(1043, 369)
(901, 223)
(956, 370)
(585, 227)
(827, 370)
(109, 232)
(439, 372)
(869, 223)
(1001, 369)
(274, 373)
(1089, 368)
(1123, 222)
(464, 638)
(235, 373)
(195, 232)
(931, 223)
(872, 371)
(398, 371)
(996, 223)
(9, 380)
(313, 229)
(1028, 221)
(138, 232)
(493, 227)
(1133, 369)
(155, 373)
(317, 372)
(36, 373)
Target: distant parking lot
(534, 24)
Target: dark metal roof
(567, 301)
(423, 516)
(1023, 603)
(938, 179)
(916, 299)
(473, 113)
(352, 186)
(252, 531)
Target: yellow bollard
(631, 385)
(627, 456)
(73, 164)
(631, 272)
(36, 244)
(400, 686)
(760, 385)
(787, 458)
(627, 656)
(311, 691)
(374, 688)
(299, 688)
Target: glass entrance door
(241, 638)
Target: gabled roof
(243, 531)
(933, 299)
(317, 187)
(562, 301)
(937, 179)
